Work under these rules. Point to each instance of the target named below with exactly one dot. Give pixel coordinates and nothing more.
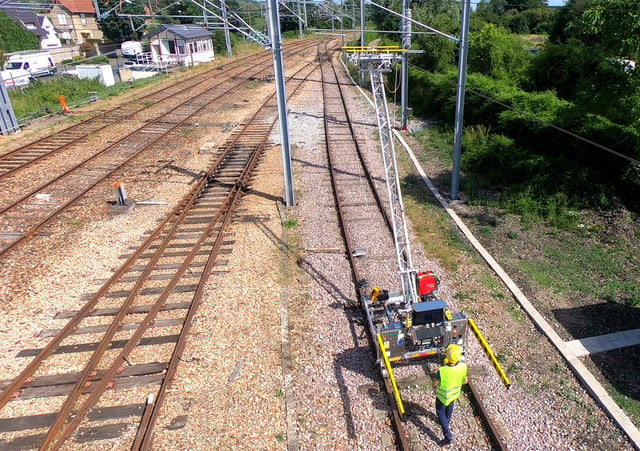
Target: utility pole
(278, 64)
(205, 18)
(225, 19)
(304, 5)
(8, 121)
(405, 24)
(363, 42)
(353, 14)
(462, 79)
(300, 34)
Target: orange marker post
(63, 104)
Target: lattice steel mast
(377, 64)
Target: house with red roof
(75, 21)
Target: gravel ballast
(231, 391)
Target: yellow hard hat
(453, 354)
(375, 294)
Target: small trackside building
(186, 45)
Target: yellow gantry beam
(489, 352)
(387, 364)
(376, 49)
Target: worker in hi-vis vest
(448, 385)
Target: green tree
(439, 52)
(500, 7)
(184, 8)
(588, 39)
(615, 22)
(118, 29)
(13, 37)
(539, 20)
(522, 5)
(612, 25)
(521, 17)
(497, 53)
(491, 10)
(586, 76)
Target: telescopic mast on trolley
(377, 64)
(413, 323)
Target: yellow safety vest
(451, 380)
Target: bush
(14, 37)
(517, 153)
(39, 96)
(497, 53)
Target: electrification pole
(8, 121)
(225, 19)
(304, 5)
(406, 44)
(205, 18)
(462, 79)
(362, 37)
(278, 65)
(300, 35)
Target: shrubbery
(496, 52)
(517, 153)
(13, 37)
(40, 97)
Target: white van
(130, 49)
(37, 64)
(15, 78)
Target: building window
(66, 35)
(181, 48)
(83, 19)
(172, 47)
(62, 19)
(191, 49)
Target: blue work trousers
(444, 415)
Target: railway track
(25, 212)
(358, 202)
(78, 390)
(164, 99)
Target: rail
(402, 431)
(204, 229)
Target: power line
(548, 124)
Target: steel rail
(56, 437)
(144, 442)
(494, 434)
(146, 437)
(103, 121)
(492, 430)
(400, 430)
(60, 431)
(176, 214)
(206, 77)
(34, 228)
